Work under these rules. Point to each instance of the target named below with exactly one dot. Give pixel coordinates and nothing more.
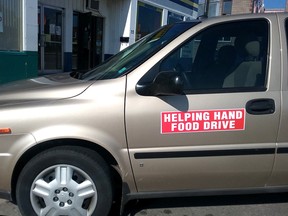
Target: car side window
(226, 57)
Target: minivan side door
(220, 131)
(279, 175)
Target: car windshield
(131, 57)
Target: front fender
(12, 147)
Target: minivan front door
(221, 133)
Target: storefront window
(149, 19)
(201, 7)
(10, 24)
(214, 8)
(227, 7)
(50, 32)
(75, 41)
(53, 38)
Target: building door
(87, 48)
(50, 49)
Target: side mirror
(165, 83)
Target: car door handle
(260, 106)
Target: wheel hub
(63, 197)
(63, 189)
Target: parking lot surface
(252, 205)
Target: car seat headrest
(253, 48)
(242, 41)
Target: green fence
(17, 65)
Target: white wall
(117, 24)
(30, 25)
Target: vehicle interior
(226, 56)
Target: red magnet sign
(202, 121)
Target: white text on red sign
(202, 121)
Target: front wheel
(65, 181)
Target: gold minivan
(196, 107)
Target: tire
(65, 181)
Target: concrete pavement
(8, 209)
(251, 205)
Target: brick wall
(221, 7)
(241, 6)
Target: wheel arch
(30, 153)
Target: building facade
(213, 8)
(51, 36)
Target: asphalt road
(252, 205)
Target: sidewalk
(8, 209)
